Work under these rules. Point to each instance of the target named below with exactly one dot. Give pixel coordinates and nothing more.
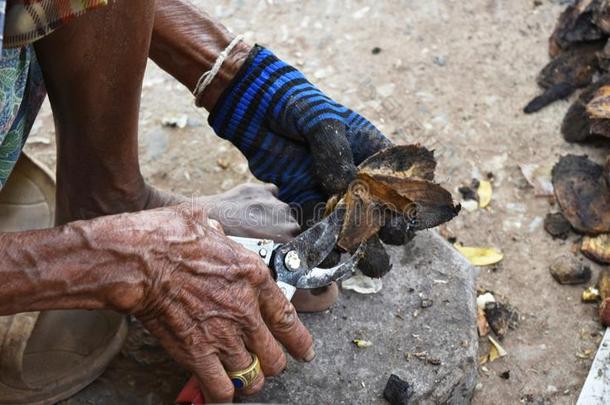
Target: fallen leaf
(539, 177)
(362, 343)
(597, 248)
(484, 193)
(482, 324)
(480, 256)
(495, 352)
(585, 354)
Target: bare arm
(208, 300)
(64, 268)
(186, 42)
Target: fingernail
(310, 355)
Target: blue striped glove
(299, 139)
(292, 134)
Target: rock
(343, 373)
(556, 225)
(397, 391)
(567, 269)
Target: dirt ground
(451, 75)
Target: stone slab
(393, 320)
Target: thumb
(332, 156)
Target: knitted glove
(293, 135)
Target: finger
(283, 322)
(215, 225)
(272, 188)
(261, 341)
(213, 380)
(235, 357)
(332, 156)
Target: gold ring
(244, 378)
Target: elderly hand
(208, 300)
(296, 137)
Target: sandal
(46, 357)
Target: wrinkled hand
(296, 137)
(208, 300)
(253, 211)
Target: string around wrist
(207, 77)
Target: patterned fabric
(272, 113)
(29, 20)
(21, 95)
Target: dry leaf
(597, 248)
(362, 343)
(590, 295)
(539, 177)
(495, 352)
(480, 256)
(484, 192)
(482, 324)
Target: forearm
(186, 42)
(65, 268)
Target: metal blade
(316, 243)
(317, 277)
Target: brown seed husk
(398, 180)
(599, 106)
(597, 248)
(601, 16)
(577, 126)
(363, 219)
(403, 161)
(603, 284)
(575, 25)
(556, 225)
(583, 194)
(576, 67)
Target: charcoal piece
(397, 391)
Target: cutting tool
(294, 265)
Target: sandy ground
(451, 75)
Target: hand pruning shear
(294, 265)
